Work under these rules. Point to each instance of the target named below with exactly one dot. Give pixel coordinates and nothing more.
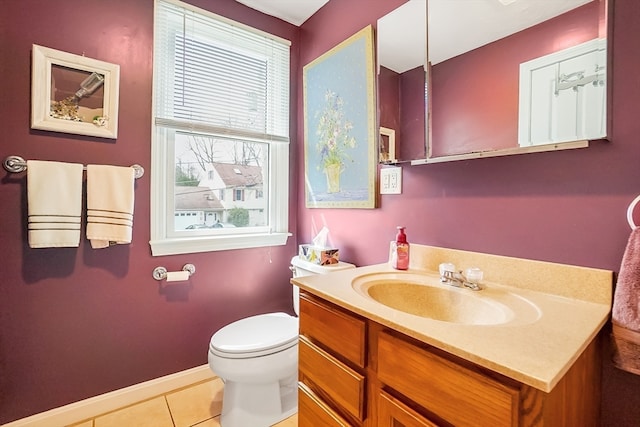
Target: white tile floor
(198, 405)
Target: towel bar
(16, 164)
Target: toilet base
(258, 405)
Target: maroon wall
(401, 107)
(77, 322)
(566, 207)
(475, 108)
(389, 100)
(413, 127)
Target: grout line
(204, 421)
(166, 401)
(125, 407)
(164, 395)
(190, 385)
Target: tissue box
(317, 255)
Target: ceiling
(455, 29)
(292, 11)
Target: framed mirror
(500, 84)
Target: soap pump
(400, 251)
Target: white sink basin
(423, 295)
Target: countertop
(536, 352)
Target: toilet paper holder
(160, 273)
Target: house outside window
(221, 111)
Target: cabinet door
(394, 413)
(313, 412)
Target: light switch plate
(391, 180)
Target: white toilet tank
(300, 268)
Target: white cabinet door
(563, 96)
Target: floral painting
(340, 130)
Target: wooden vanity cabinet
(356, 372)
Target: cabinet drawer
(312, 411)
(341, 383)
(334, 329)
(454, 393)
(394, 413)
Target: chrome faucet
(450, 276)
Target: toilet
(257, 358)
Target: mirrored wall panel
(504, 77)
(516, 75)
(402, 50)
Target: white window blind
(220, 75)
(223, 84)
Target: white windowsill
(175, 246)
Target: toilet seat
(255, 336)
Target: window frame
(162, 241)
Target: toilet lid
(257, 335)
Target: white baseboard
(89, 408)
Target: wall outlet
(391, 180)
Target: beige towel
(626, 308)
(54, 197)
(110, 200)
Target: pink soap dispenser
(400, 251)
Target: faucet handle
(474, 275)
(446, 267)
(447, 272)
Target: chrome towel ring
(630, 213)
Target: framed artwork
(387, 145)
(74, 94)
(340, 129)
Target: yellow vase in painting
(333, 172)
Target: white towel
(110, 200)
(54, 197)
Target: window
(221, 121)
